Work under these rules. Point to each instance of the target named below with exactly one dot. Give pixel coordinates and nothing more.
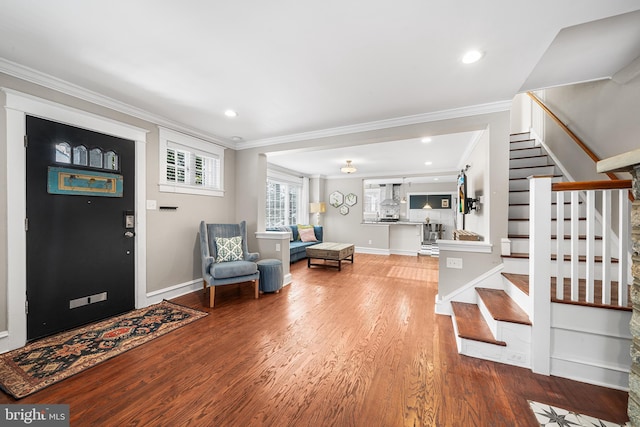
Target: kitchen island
(404, 237)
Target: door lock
(129, 234)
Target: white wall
(604, 114)
(172, 245)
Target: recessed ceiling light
(425, 140)
(472, 56)
(236, 138)
(428, 163)
(436, 179)
(231, 113)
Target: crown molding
(59, 85)
(454, 113)
(33, 76)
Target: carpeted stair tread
(501, 307)
(521, 281)
(471, 324)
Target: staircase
(589, 341)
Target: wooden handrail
(619, 184)
(573, 136)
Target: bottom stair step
(471, 324)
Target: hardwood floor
(359, 347)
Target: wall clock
(336, 199)
(351, 199)
(344, 209)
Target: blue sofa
(297, 248)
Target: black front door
(80, 245)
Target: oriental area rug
(47, 361)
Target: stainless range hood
(389, 207)
(388, 196)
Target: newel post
(630, 162)
(540, 273)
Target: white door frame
(17, 106)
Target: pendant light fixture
(348, 168)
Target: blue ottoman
(270, 275)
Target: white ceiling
(292, 68)
(408, 158)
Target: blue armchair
(232, 263)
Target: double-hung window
(284, 198)
(190, 165)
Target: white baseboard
(372, 251)
(173, 291)
(590, 373)
(288, 279)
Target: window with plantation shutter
(190, 165)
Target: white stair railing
(597, 212)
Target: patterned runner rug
(44, 362)
(550, 416)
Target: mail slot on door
(129, 220)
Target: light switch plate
(152, 205)
(454, 263)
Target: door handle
(129, 234)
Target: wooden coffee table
(329, 251)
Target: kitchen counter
(404, 237)
(392, 223)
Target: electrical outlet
(277, 247)
(369, 241)
(152, 205)
(454, 263)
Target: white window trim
(165, 137)
(285, 177)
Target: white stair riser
(526, 143)
(523, 197)
(517, 295)
(519, 137)
(521, 266)
(529, 161)
(523, 184)
(529, 152)
(522, 246)
(508, 355)
(522, 211)
(504, 331)
(529, 171)
(522, 227)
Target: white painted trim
(42, 79)
(373, 251)
(579, 371)
(287, 280)
(403, 252)
(187, 189)
(272, 235)
(443, 304)
(167, 138)
(17, 107)
(473, 110)
(465, 246)
(173, 291)
(59, 85)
